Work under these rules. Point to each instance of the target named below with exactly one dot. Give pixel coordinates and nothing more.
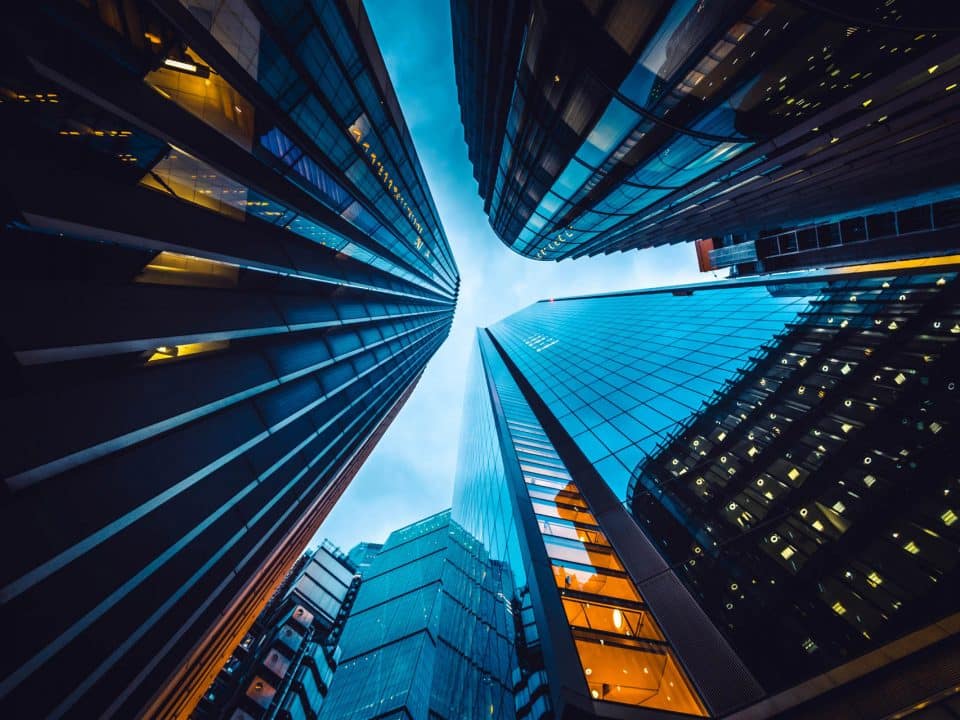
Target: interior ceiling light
(185, 66)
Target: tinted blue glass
(661, 354)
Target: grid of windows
(431, 631)
(241, 318)
(623, 654)
(619, 372)
(624, 124)
(818, 481)
(796, 483)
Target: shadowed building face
(596, 127)
(225, 274)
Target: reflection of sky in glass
(625, 370)
(421, 445)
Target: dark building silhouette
(727, 500)
(224, 274)
(595, 127)
(922, 226)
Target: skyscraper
(362, 554)
(431, 632)
(224, 275)
(595, 127)
(728, 500)
(284, 663)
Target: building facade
(225, 275)
(604, 126)
(920, 226)
(728, 500)
(283, 666)
(362, 554)
(431, 632)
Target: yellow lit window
(788, 552)
(613, 586)
(610, 618)
(168, 352)
(646, 676)
(874, 579)
(911, 547)
(580, 555)
(169, 268)
(949, 517)
(838, 608)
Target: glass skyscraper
(431, 632)
(595, 127)
(728, 500)
(224, 275)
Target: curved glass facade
(609, 126)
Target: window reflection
(592, 581)
(638, 674)
(624, 655)
(609, 618)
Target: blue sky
(410, 474)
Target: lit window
(788, 552)
(167, 352)
(874, 579)
(911, 547)
(949, 517)
(838, 608)
(169, 268)
(869, 480)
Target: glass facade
(764, 463)
(622, 652)
(620, 372)
(818, 481)
(225, 274)
(596, 127)
(430, 634)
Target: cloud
(411, 472)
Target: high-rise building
(362, 554)
(602, 126)
(917, 226)
(727, 500)
(431, 634)
(224, 275)
(283, 665)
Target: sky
(411, 472)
